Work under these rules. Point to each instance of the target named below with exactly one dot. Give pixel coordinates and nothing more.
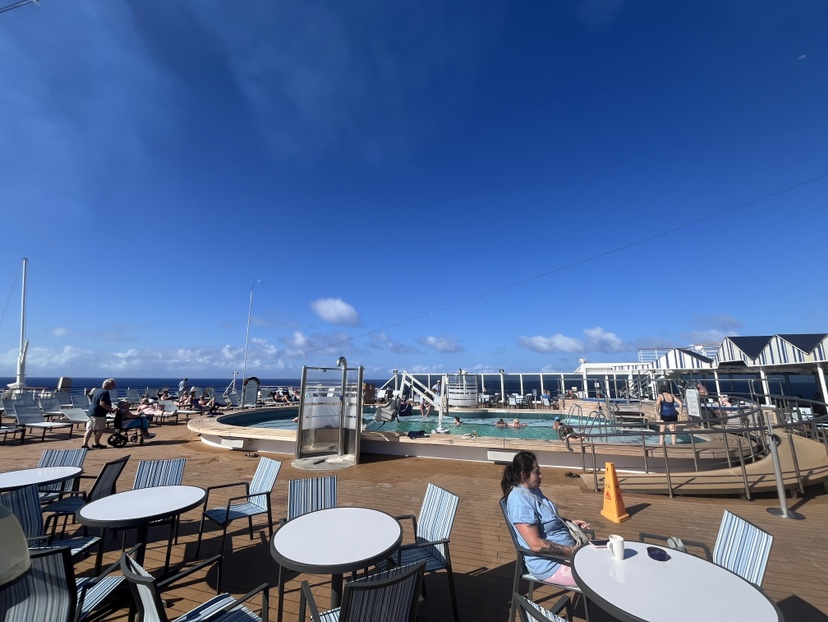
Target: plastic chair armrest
(410, 517)
(263, 588)
(557, 558)
(306, 598)
(655, 536)
(167, 581)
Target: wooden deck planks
(481, 549)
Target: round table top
(336, 540)
(41, 475)
(682, 588)
(134, 507)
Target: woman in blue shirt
(536, 520)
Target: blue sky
(418, 185)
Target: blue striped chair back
(742, 547)
(142, 584)
(530, 611)
(437, 518)
(263, 481)
(309, 495)
(25, 505)
(390, 596)
(107, 479)
(153, 473)
(46, 593)
(60, 457)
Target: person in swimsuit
(669, 408)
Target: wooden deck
(481, 549)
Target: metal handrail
(749, 422)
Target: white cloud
(803, 56)
(442, 344)
(601, 341)
(336, 311)
(555, 343)
(60, 331)
(597, 340)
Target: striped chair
(46, 593)
(25, 505)
(147, 590)
(306, 495)
(152, 473)
(432, 533)
(72, 501)
(530, 611)
(391, 596)
(522, 572)
(309, 495)
(256, 500)
(741, 547)
(59, 458)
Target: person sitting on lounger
(148, 410)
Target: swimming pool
(474, 422)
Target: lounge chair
(76, 416)
(50, 406)
(256, 500)
(132, 396)
(390, 595)
(63, 398)
(81, 400)
(170, 411)
(29, 416)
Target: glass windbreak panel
(320, 412)
(352, 407)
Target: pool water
(474, 422)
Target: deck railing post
(693, 445)
(796, 464)
(646, 453)
(744, 470)
(667, 471)
(782, 510)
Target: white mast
(20, 381)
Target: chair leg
(224, 536)
(280, 610)
(250, 526)
(453, 594)
(173, 530)
(200, 533)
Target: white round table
(137, 508)
(683, 588)
(41, 475)
(335, 541)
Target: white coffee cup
(616, 546)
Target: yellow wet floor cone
(613, 501)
